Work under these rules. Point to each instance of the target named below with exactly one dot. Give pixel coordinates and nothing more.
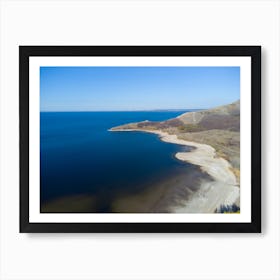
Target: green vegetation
(190, 128)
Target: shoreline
(223, 190)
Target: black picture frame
(254, 52)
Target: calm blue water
(80, 156)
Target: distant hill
(232, 109)
(224, 117)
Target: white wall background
(139, 256)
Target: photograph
(140, 139)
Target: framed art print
(140, 138)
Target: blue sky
(137, 88)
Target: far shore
(223, 189)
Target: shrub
(228, 209)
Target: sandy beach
(223, 189)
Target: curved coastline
(222, 190)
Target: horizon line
(143, 110)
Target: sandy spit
(223, 190)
